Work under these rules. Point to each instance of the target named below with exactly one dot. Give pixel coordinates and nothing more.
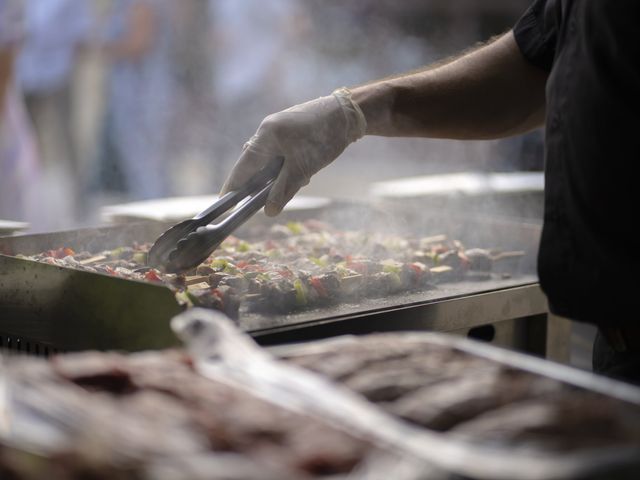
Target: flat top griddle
(75, 310)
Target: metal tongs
(189, 243)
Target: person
(249, 39)
(140, 95)
(19, 165)
(54, 33)
(572, 65)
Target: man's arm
(491, 92)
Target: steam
(236, 62)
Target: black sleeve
(536, 32)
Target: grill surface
(74, 310)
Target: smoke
(232, 63)
(325, 45)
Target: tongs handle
(230, 199)
(246, 211)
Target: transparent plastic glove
(308, 137)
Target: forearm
(491, 92)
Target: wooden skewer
(433, 239)
(195, 279)
(440, 269)
(94, 259)
(507, 255)
(352, 280)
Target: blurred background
(110, 101)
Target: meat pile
(150, 415)
(444, 389)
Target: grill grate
(20, 345)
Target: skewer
(94, 259)
(195, 279)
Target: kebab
(295, 266)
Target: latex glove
(308, 137)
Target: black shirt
(589, 259)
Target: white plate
(9, 226)
(175, 209)
(459, 184)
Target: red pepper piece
(286, 273)
(152, 276)
(317, 284)
(464, 260)
(417, 268)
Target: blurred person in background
(18, 154)
(54, 31)
(572, 65)
(193, 101)
(140, 90)
(251, 42)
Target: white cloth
(53, 31)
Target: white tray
(175, 209)
(8, 227)
(468, 184)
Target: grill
(24, 345)
(66, 309)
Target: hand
(308, 137)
